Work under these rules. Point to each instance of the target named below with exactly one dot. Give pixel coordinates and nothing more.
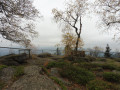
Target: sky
(50, 33)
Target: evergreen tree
(107, 52)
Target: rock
(32, 70)
(7, 74)
(15, 60)
(32, 80)
(9, 62)
(54, 72)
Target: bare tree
(15, 16)
(91, 51)
(109, 10)
(71, 17)
(97, 51)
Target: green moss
(1, 85)
(111, 77)
(102, 59)
(45, 70)
(100, 85)
(19, 71)
(59, 82)
(109, 66)
(77, 74)
(57, 64)
(89, 65)
(3, 66)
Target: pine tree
(107, 52)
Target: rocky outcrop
(7, 74)
(14, 59)
(32, 80)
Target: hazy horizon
(50, 34)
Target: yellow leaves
(70, 40)
(96, 48)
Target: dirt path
(33, 80)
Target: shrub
(100, 85)
(19, 71)
(69, 57)
(59, 82)
(83, 59)
(46, 71)
(111, 77)
(99, 69)
(91, 58)
(44, 55)
(57, 64)
(102, 59)
(3, 66)
(1, 85)
(109, 66)
(117, 59)
(89, 65)
(77, 74)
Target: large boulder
(7, 74)
(11, 60)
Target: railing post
(29, 50)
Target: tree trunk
(78, 34)
(77, 42)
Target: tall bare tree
(97, 51)
(71, 17)
(15, 16)
(109, 10)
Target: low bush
(69, 57)
(109, 66)
(57, 64)
(117, 59)
(1, 85)
(59, 82)
(44, 69)
(111, 77)
(77, 74)
(102, 59)
(91, 58)
(100, 85)
(99, 69)
(3, 66)
(19, 71)
(89, 65)
(45, 55)
(118, 69)
(83, 59)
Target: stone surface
(7, 74)
(12, 60)
(54, 72)
(32, 80)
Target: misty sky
(50, 34)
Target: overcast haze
(50, 33)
